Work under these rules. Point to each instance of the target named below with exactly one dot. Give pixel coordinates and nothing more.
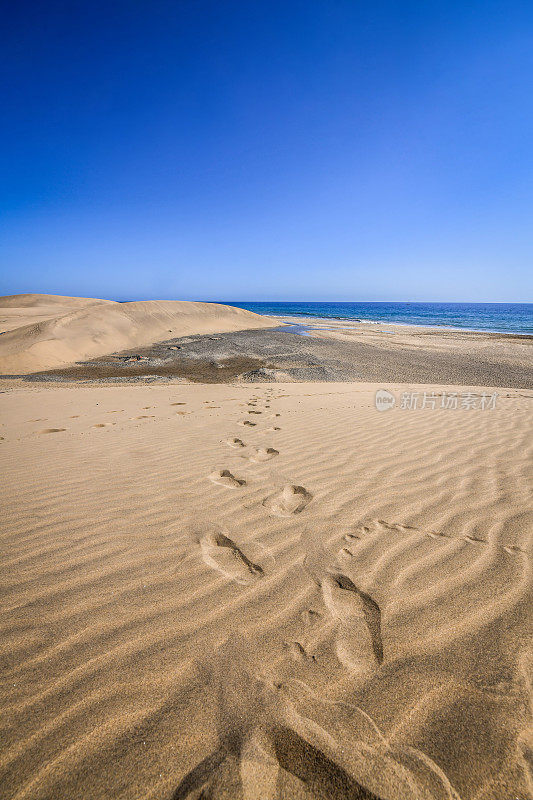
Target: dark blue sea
(498, 317)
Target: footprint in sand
(358, 645)
(397, 527)
(52, 430)
(264, 454)
(103, 424)
(344, 554)
(284, 741)
(235, 442)
(513, 549)
(247, 422)
(298, 652)
(310, 616)
(255, 412)
(351, 537)
(178, 404)
(223, 555)
(144, 416)
(291, 499)
(224, 478)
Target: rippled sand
(311, 600)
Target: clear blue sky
(264, 150)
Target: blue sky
(268, 150)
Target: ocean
(496, 317)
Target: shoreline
(513, 318)
(435, 327)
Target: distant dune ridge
(42, 331)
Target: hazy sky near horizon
(333, 150)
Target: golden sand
(333, 602)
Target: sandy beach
(268, 588)
(266, 401)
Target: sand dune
(353, 620)
(19, 310)
(45, 331)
